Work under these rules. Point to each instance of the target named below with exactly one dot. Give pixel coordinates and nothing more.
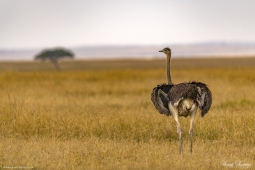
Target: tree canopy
(54, 55)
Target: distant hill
(146, 51)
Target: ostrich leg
(174, 112)
(191, 131)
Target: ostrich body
(181, 100)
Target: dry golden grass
(101, 117)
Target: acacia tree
(53, 55)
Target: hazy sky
(47, 23)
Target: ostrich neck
(168, 69)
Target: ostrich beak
(161, 51)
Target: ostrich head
(167, 51)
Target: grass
(101, 117)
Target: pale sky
(47, 23)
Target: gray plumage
(197, 91)
(181, 99)
(205, 97)
(160, 102)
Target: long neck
(168, 69)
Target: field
(98, 115)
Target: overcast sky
(47, 23)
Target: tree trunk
(56, 64)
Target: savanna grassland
(98, 115)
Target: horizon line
(132, 45)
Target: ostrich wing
(205, 101)
(159, 100)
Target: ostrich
(181, 100)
